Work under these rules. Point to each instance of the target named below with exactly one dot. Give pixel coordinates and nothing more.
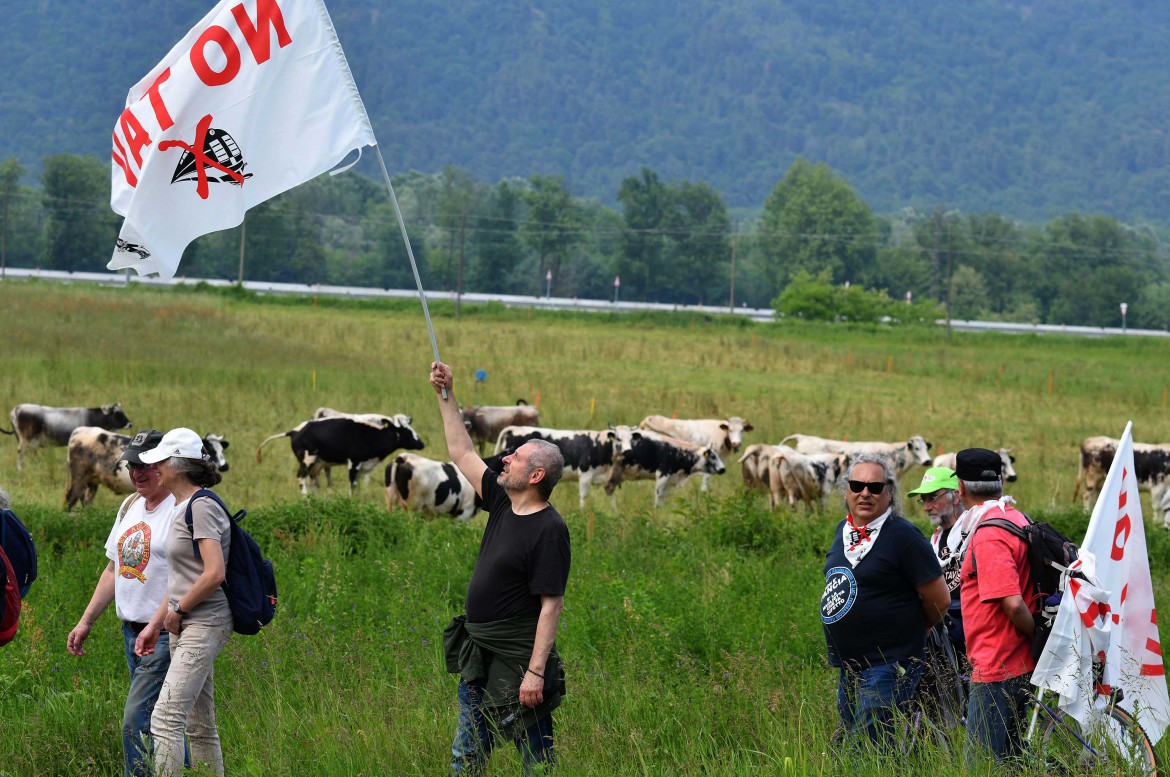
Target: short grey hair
(988, 489)
(888, 476)
(548, 457)
(5, 502)
(201, 472)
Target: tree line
(667, 241)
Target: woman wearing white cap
(195, 611)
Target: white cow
(901, 456)
(1005, 455)
(804, 477)
(754, 464)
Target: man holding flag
(1109, 618)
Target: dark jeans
(868, 699)
(475, 737)
(995, 718)
(146, 678)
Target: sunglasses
(857, 486)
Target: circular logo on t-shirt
(840, 594)
(134, 552)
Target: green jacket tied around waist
(496, 655)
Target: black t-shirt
(521, 558)
(872, 613)
(950, 562)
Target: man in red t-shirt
(997, 610)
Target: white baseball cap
(182, 443)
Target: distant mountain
(1030, 109)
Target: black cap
(978, 464)
(142, 442)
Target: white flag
(1114, 616)
(256, 99)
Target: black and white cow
(725, 435)
(901, 456)
(37, 424)
(374, 419)
(424, 485)
(668, 461)
(95, 460)
(589, 455)
(485, 422)
(1151, 464)
(345, 441)
(1005, 456)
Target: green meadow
(691, 634)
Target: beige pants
(186, 703)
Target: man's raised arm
(459, 445)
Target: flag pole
(410, 253)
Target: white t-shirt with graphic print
(137, 546)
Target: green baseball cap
(936, 479)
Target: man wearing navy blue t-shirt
(883, 589)
(504, 647)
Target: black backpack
(249, 581)
(1049, 553)
(21, 550)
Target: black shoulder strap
(997, 523)
(203, 492)
(1004, 523)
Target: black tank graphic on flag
(221, 147)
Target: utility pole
(243, 228)
(935, 282)
(950, 256)
(459, 270)
(734, 245)
(4, 240)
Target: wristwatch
(178, 609)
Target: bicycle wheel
(1115, 745)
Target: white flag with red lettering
(1113, 616)
(256, 99)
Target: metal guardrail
(762, 315)
(359, 292)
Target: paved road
(544, 303)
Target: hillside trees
(498, 243)
(1091, 264)
(669, 242)
(551, 229)
(675, 244)
(20, 235)
(80, 228)
(644, 207)
(814, 221)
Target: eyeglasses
(857, 486)
(136, 466)
(937, 496)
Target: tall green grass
(691, 634)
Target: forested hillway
(1031, 110)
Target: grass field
(691, 635)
